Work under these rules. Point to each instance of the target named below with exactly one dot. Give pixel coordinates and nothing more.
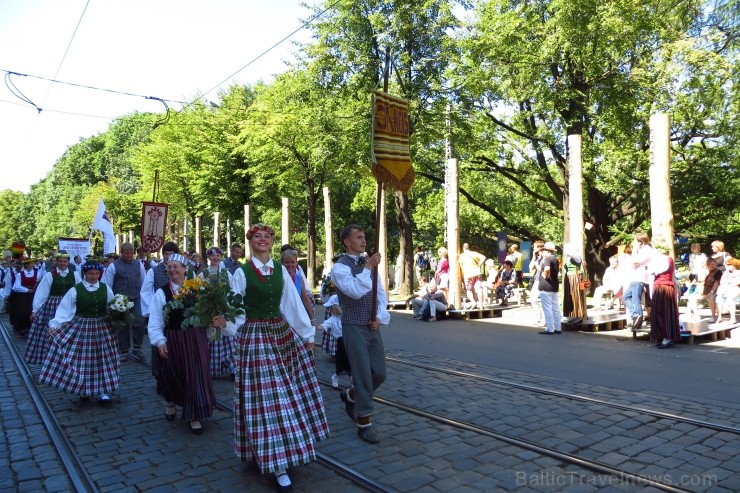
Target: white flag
(102, 223)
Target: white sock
(282, 478)
(666, 341)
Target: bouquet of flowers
(202, 299)
(119, 312)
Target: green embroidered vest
(262, 299)
(91, 304)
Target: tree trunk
(311, 244)
(405, 241)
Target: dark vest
(127, 280)
(30, 282)
(160, 276)
(92, 304)
(176, 317)
(262, 299)
(60, 285)
(354, 312)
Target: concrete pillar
(216, 230)
(285, 227)
(452, 205)
(329, 233)
(661, 207)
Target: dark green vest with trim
(60, 285)
(92, 304)
(262, 297)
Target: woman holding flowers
(180, 363)
(278, 409)
(222, 349)
(49, 292)
(83, 350)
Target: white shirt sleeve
(147, 292)
(42, 292)
(109, 275)
(240, 282)
(358, 286)
(156, 319)
(18, 287)
(293, 311)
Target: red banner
(153, 225)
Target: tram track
(567, 395)
(73, 465)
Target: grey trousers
(366, 356)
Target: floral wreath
(259, 227)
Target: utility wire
(61, 62)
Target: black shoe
(665, 345)
(545, 332)
(198, 430)
(349, 407)
(283, 488)
(170, 416)
(137, 353)
(84, 398)
(367, 434)
(558, 332)
(105, 400)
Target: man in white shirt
(642, 255)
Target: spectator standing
(711, 285)
(535, 271)
(470, 264)
(548, 283)
(719, 254)
(665, 328)
(642, 255)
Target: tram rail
(567, 395)
(74, 467)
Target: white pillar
(286, 222)
(382, 242)
(216, 232)
(247, 225)
(329, 232)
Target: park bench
(596, 323)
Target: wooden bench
(715, 332)
(488, 311)
(399, 305)
(596, 323)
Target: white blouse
(67, 308)
(44, 288)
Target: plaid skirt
(184, 377)
(329, 343)
(222, 356)
(278, 409)
(82, 358)
(664, 323)
(38, 335)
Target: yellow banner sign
(390, 146)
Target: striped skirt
(184, 377)
(38, 335)
(278, 409)
(574, 298)
(82, 358)
(222, 356)
(664, 323)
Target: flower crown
(214, 250)
(259, 227)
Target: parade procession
(400, 247)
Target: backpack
(422, 262)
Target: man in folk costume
(232, 261)
(23, 289)
(156, 277)
(125, 276)
(352, 277)
(53, 286)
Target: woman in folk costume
(53, 286)
(24, 288)
(180, 363)
(278, 410)
(665, 328)
(83, 350)
(289, 259)
(574, 298)
(222, 351)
